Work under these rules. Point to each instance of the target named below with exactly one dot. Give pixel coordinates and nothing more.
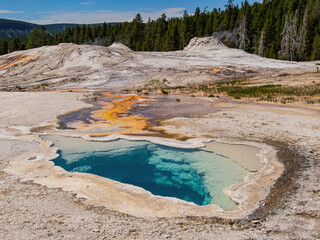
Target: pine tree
(95, 32)
(37, 38)
(57, 38)
(14, 45)
(171, 42)
(49, 39)
(103, 32)
(3, 47)
(76, 35)
(226, 18)
(316, 48)
(303, 35)
(147, 44)
(88, 34)
(137, 33)
(209, 25)
(82, 34)
(161, 31)
(230, 3)
(216, 20)
(201, 24)
(67, 36)
(186, 34)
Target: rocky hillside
(11, 29)
(74, 66)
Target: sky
(98, 11)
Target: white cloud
(8, 11)
(100, 16)
(87, 3)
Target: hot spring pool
(194, 175)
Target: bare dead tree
(293, 35)
(243, 41)
(289, 42)
(285, 41)
(261, 46)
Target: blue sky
(96, 11)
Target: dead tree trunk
(261, 46)
(293, 36)
(243, 41)
(285, 41)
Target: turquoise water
(193, 175)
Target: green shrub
(164, 92)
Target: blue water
(192, 175)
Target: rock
(120, 46)
(205, 44)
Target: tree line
(281, 29)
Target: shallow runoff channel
(197, 175)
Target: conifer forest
(280, 29)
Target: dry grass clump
(242, 88)
(309, 93)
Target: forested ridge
(282, 29)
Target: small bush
(164, 92)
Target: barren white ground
(32, 211)
(74, 66)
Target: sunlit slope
(74, 66)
